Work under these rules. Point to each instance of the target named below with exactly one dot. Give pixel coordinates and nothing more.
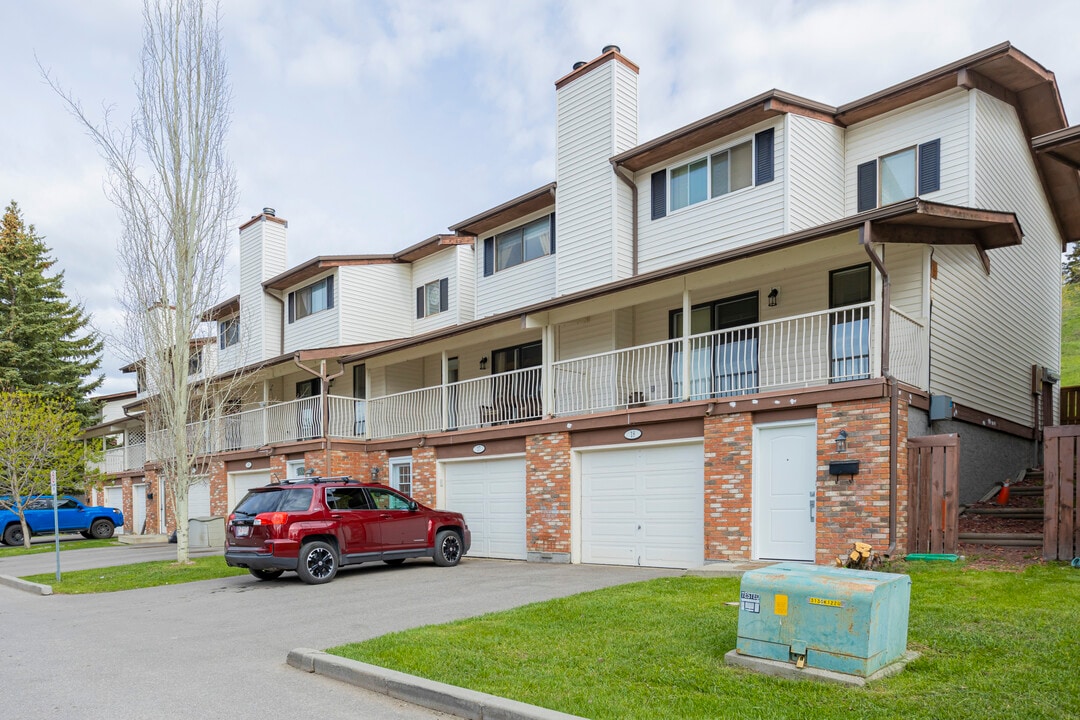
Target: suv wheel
(447, 548)
(266, 574)
(101, 529)
(318, 563)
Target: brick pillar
(547, 497)
(728, 486)
(853, 509)
(423, 475)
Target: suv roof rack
(313, 479)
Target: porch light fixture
(375, 474)
(773, 295)
(841, 441)
(483, 363)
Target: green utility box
(845, 621)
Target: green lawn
(39, 547)
(994, 645)
(136, 575)
(1070, 335)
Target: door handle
(813, 503)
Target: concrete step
(1007, 512)
(1027, 490)
(142, 539)
(1004, 539)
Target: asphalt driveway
(217, 648)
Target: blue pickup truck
(72, 515)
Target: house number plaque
(632, 434)
(478, 449)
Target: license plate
(242, 530)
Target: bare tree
(175, 190)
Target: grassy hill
(1070, 335)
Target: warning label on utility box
(751, 602)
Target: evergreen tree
(1070, 267)
(46, 343)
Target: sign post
(56, 519)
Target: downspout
(633, 216)
(866, 238)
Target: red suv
(313, 526)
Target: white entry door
(114, 497)
(491, 496)
(644, 506)
(785, 491)
(199, 499)
(138, 508)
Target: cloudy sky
(373, 125)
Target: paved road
(216, 649)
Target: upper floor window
(733, 168)
(433, 298)
(316, 297)
(899, 176)
(194, 363)
(514, 247)
(713, 176)
(228, 332)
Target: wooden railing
(1069, 407)
(1061, 500)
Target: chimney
(263, 245)
(596, 118)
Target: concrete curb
(419, 691)
(25, 586)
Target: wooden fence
(1061, 531)
(933, 493)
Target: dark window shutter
(867, 184)
(330, 292)
(292, 307)
(489, 256)
(930, 167)
(221, 336)
(552, 233)
(444, 294)
(763, 157)
(659, 194)
(419, 302)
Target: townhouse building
(716, 344)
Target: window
(308, 388)
(517, 358)
(295, 468)
(522, 244)
(733, 168)
(432, 298)
(359, 392)
(401, 475)
(722, 363)
(314, 298)
(388, 500)
(849, 327)
(194, 363)
(347, 498)
(228, 332)
(899, 176)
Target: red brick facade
(728, 486)
(547, 493)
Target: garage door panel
(644, 506)
(491, 496)
(199, 500)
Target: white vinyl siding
(320, 329)
(597, 118)
(585, 336)
(262, 256)
(815, 174)
(377, 302)
(465, 272)
(943, 117)
(717, 224)
(987, 331)
(907, 266)
(518, 286)
(432, 269)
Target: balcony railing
(811, 349)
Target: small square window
(898, 176)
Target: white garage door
(644, 506)
(199, 500)
(491, 496)
(114, 497)
(240, 483)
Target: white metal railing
(907, 349)
(294, 420)
(348, 417)
(508, 397)
(799, 351)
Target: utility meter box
(845, 621)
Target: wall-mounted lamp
(375, 474)
(483, 363)
(841, 441)
(773, 295)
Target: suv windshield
(286, 499)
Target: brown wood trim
(973, 80)
(976, 417)
(399, 452)
(790, 108)
(593, 64)
(520, 206)
(262, 462)
(1058, 431)
(946, 440)
(504, 446)
(799, 413)
(676, 430)
(264, 216)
